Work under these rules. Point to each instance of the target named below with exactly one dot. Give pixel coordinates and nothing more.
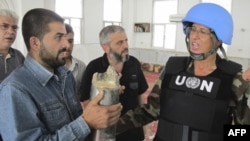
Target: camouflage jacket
(238, 108)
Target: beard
(49, 59)
(123, 57)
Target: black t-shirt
(132, 78)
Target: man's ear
(105, 48)
(34, 43)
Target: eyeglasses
(5, 26)
(201, 32)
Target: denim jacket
(36, 104)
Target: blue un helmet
(213, 16)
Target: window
(112, 12)
(72, 16)
(164, 32)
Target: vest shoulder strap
(176, 64)
(229, 67)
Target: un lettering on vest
(206, 86)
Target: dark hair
(35, 23)
(69, 28)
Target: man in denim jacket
(38, 101)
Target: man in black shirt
(114, 42)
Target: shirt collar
(190, 67)
(73, 64)
(39, 72)
(11, 52)
(105, 61)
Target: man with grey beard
(114, 42)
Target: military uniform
(236, 99)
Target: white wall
(140, 43)
(237, 51)
(241, 40)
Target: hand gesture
(246, 74)
(99, 117)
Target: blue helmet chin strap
(202, 56)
